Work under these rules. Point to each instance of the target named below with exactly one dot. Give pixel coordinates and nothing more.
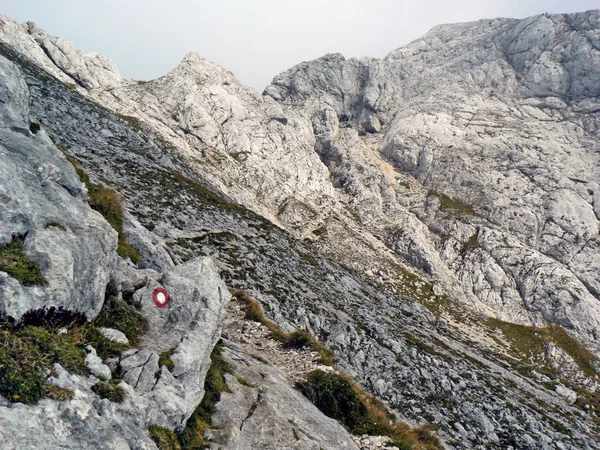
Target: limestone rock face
(189, 327)
(268, 413)
(462, 168)
(485, 133)
(481, 133)
(44, 202)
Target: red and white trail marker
(160, 297)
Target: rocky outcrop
(440, 156)
(480, 132)
(189, 327)
(477, 133)
(44, 203)
(266, 412)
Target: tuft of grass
(118, 314)
(453, 207)
(165, 359)
(30, 348)
(530, 344)
(335, 397)
(297, 339)
(303, 339)
(108, 203)
(27, 355)
(471, 244)
(110, 391)
(339, 398)
(56, 393)
(60, 348)
(164, 438)
(56, 225)
(192, 437)
(14, 262)
(105, 348)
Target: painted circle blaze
(160, 297)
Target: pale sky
(256, 39)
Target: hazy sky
(256, 39)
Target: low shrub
(192, 437)
(297, 339)
(110, 391)
(339, 398)
(14, 262)
(164, 438)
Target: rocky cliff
(430, 208)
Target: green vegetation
(108, 203)
(133, 121)
(453, 207)
(34, 127)
(104, 348)
(14, 262)
(297, 339)
(303, 339)
(165, 359)
(471, 244)
(192, 437)
(337, 397)
(531, 344)
(164, 438)
(110, 391)
(56, 393)
(27, 354)
(119, 315)
(56, 225)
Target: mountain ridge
(346, 154)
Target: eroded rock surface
(453, 155)
(268, 413)
(470, 154)
(43, 202)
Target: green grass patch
(339, 398)
(108, 203)
(453, 207)
(56, 225)
(119, 315)
(297, 339)
(105, 348)
(56, 393)
(303, 339)
(164, 438)
(192, 437)
(26, 355)
(14, 262)
(110, 391)
(530, 343)
(471, 244)
(30, 348)
(165, 359)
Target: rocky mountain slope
(417, 200)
